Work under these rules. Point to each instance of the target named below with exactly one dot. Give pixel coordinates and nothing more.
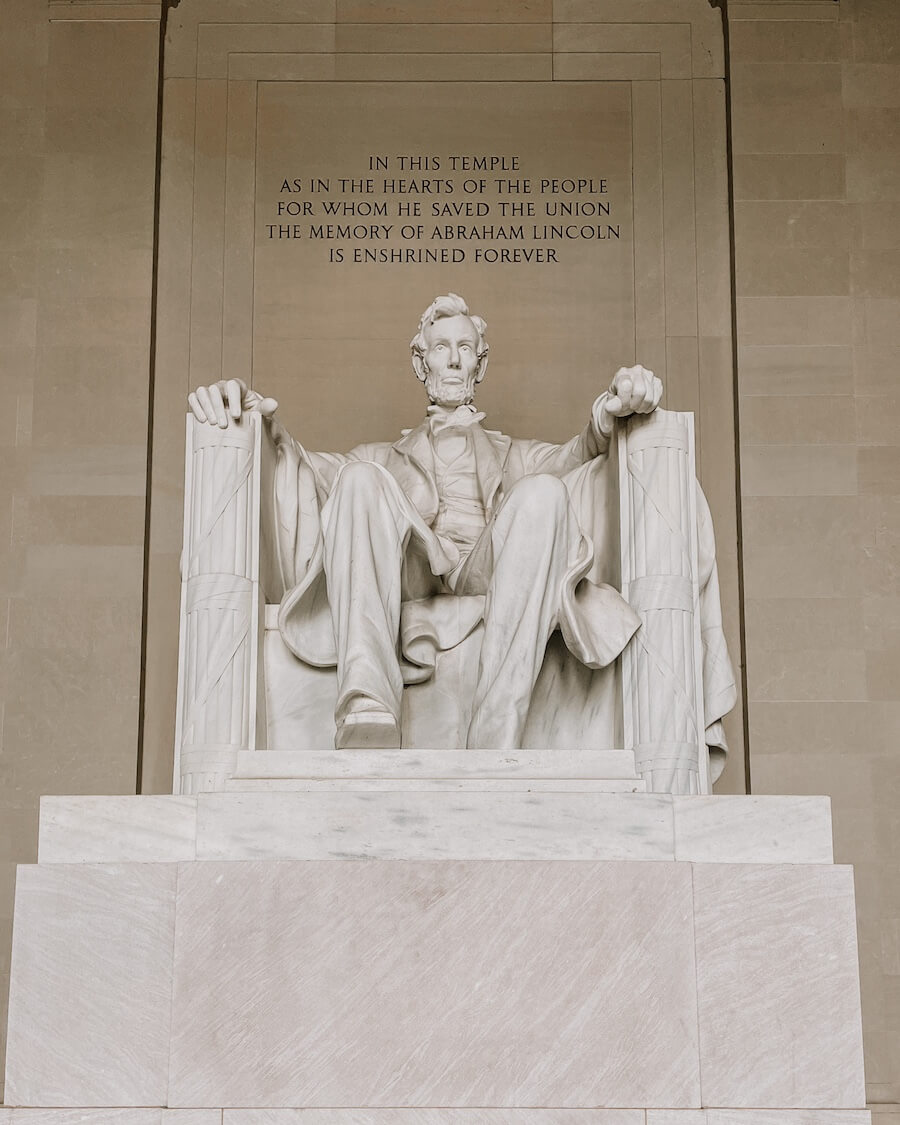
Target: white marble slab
(758, 1117)
(753, 829)
(676, 1117)
(433, 1117)
(158, 829)
(91, 980)
(434, 984)
(787, 1117)
(430, 818)
(433, 785)
(120, 1116)
(86, 1116)
(423, 825)
(423, 763)
(191, 1117)
(778, 986)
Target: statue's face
(451, 364)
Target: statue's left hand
(225, 401)
(634, 390)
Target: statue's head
(449, 352)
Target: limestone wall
(77, 155)
(816, 115)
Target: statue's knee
(359, 476)
(541, 495)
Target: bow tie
(439, 417)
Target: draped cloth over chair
(255, 516)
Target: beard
(443, 393)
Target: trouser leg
(533, 536)
(365, 531)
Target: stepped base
(449, 958)
(564, 820)
(422, 764)
(293, 1116)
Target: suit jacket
(500, 461)
(595, 621)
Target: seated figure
(396, 551)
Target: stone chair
(250, 713)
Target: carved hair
(450, 305)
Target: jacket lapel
(491, 452)
(416, 472)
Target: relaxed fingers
(196, 408)
(218, 406)
(206, 404)
(234, 396)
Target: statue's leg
(534, 536)
(366, 525)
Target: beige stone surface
(77, 148)
(434, 11)
(454, 37)
(813, 176)
(820, 570)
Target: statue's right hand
(228, 399)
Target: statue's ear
(482, 366)
(418, 362)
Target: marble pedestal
(435, 956)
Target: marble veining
(422, 825)
(421, 984)
(119, 1116)
(758, 1117)
(434, 1117)
(778, 986)
(753, 829)
(160, 829)
(787, 1117)
(90, 997)
(457, 817)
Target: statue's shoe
(368, 730)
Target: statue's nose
(454, 358)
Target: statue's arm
(557, 460)
(633, 390)
(224, 403)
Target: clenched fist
(634, 390)
(228, 399)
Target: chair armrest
(662, 666)
(227, 505)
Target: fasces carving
(397, 553)
(661, 670)
(217, 697)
